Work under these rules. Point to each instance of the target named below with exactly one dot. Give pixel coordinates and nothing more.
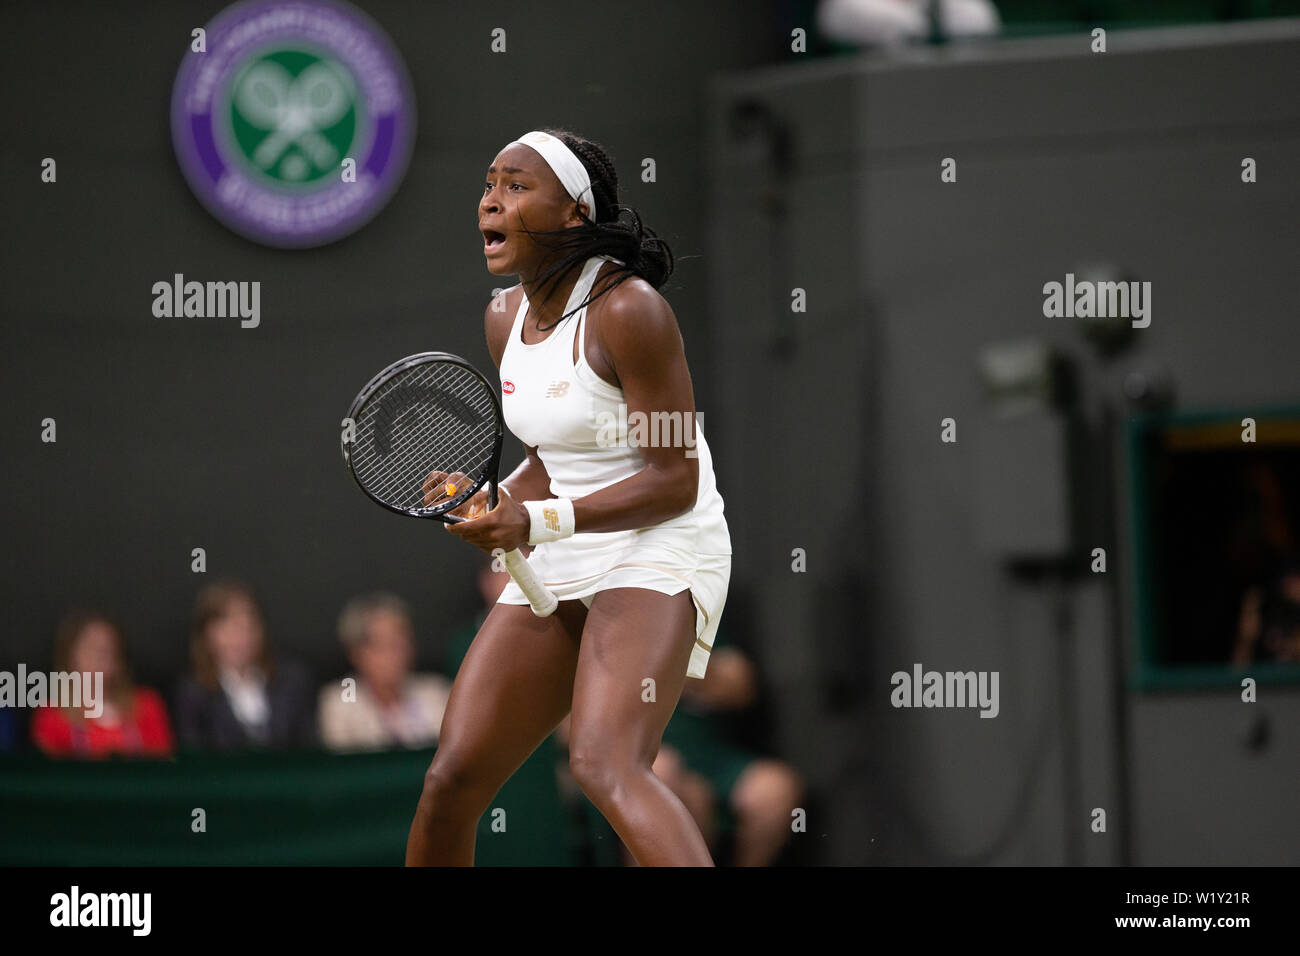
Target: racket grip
(539, 595)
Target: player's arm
(640, 340)
(528, 482)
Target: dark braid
(643, 253)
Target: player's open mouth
(492, 240)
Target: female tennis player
(628, 527)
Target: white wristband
(550, 519)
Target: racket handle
(539, 595)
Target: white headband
(568, 167)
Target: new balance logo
(552, 518)
(557, 389)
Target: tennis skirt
(660, 559)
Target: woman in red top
(134, 719)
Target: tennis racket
(426, 435)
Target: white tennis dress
(579, 425)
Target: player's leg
(633, 636)
(514, 686)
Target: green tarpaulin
(301, 809)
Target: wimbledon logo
(295, 126)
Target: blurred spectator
(134, 719)
(720, 782)
(389, 706)
(1269, 626)
(237, 696)
(894, 22)
(742, 787)
(491, 582)
(8, 730)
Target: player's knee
(450, 778)
(599, 769)
(593, 769)
(768, 788)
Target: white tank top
(579, 423)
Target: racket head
(425, 413)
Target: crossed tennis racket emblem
(294, 109)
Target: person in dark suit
(237, 695)
(9, 733)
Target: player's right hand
(439, 487)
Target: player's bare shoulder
(498, 318)
(633, 318)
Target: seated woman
(133, 720)
(236, 696)
(387, 706)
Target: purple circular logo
(295, 124)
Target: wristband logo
(295, 127)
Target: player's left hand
(506, 526)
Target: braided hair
(643, 253)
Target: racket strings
(400, 481)
(397, 472)
(418, 438)
(435, 416)
(413, 424)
